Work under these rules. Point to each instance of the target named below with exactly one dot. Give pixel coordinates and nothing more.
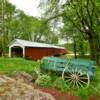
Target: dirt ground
(57, 94)
(61, 96)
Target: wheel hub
(74, 77)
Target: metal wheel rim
(76, 79)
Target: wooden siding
(37, 53)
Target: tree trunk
(95, 49)
(75, 48)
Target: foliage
(61, 85)
(80, 18)
(44, 81)
(98, 75)
(34, 75)
(14, 23)
(6, 12)
(82, 48)
(92, 90)
(10, 65)
(85, 93)
(37, 71)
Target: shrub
(96, 89)
(85, 93)
(44, 81)
(61, 85)
(34, 75)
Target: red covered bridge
(33, 50)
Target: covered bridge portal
(33, 50)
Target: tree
(14, 23)
(21, 26)
(86, 22)
(6, 12)
(84, 15)
(42, 32)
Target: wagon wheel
(75, 78)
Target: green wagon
(76, 72)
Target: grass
(93, 90)
(10, 65)
(98, 74)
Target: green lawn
(10, 65)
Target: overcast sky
(30, 7)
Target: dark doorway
(17, 52)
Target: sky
(30, 7)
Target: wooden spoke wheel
(76, 79)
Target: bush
(61, 85)
(96, 89)
(34, 75)
(85, 93)
(44, 81)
